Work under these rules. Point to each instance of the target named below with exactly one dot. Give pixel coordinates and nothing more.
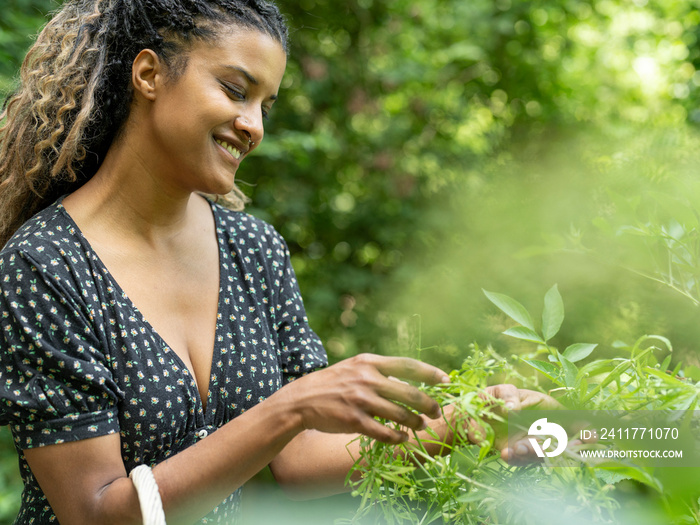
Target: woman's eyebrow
(250, 77)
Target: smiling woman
(221, 99)
(144, 325)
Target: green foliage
(398, 136)
(10, 484)
(20, 21)
(422, 151)
(472, 485)
(401, 133)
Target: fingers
(348, 396)
(376, 430)
(519, 453)
(514, 449)
(509, 394)
(410, 396)
(401, 415)
(532, 399)
(407, 368)
(389, 388)
(520, 399)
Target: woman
(143, 324)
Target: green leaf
(680, 404)
(677, 369)
(582, 385)
(548, 369)
(579, 351)
(599, 366)
(693, 372)
(612, 376)
(553, 313)
(469, 497)
(432, 433)
(670, 379)
(570, 372)
(667, 362)
(511, 308)
(520, 332)
(661, 338)
(610, 477)
(628, 471)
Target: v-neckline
(206, 406)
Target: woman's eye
(266, 113)
(233, 91)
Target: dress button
(201, 434)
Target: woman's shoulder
(243, 227)
(46, 235)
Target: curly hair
(75, 90)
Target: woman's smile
(231, 150)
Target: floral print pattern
(78, 360)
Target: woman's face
(201, 123)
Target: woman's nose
(252, 127)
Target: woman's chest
(162, 411)
(177, 297)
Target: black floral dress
(78, 359)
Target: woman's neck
(127, 200)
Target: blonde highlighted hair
(75, 91)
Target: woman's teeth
(233, 151)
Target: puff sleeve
(301, 350)
(55, 380)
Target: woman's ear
(146, 73)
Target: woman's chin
(220, 187)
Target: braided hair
(75, 88)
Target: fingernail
(522, 449)
(445, 379)
(510, 405)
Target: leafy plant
(471, 484)
(672, 242)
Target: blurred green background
(425, 149)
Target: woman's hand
(505, 398)
(346, 397)
(517, 450)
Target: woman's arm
(86, 482)
(316, 464)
